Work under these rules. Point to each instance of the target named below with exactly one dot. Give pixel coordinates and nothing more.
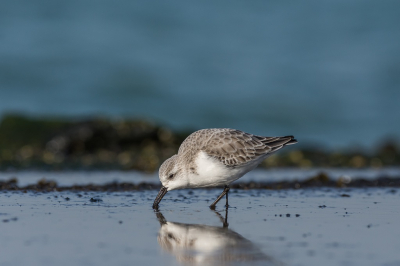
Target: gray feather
(232, 147)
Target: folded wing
(235, 147)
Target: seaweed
(125, 144)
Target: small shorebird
(216, 157)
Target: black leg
(226, 189)
(227, 192)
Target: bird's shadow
(199, 244)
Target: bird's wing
(234, 147)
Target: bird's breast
(211, 172)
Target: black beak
(159, 197)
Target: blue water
(325, 71)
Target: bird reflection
(197, 244)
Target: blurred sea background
(327, 72)
(95, 95)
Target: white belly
(211, 172)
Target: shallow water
(68, 178)
(287, 227)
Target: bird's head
(172, 176)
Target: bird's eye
(171, 176)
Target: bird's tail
(291, 141)
(277, 143)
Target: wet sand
(314, 226)
(279, 178)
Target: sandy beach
(312, 226)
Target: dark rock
(95, 200)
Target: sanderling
(216, 157)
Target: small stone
(95, 200)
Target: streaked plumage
(215, 157)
